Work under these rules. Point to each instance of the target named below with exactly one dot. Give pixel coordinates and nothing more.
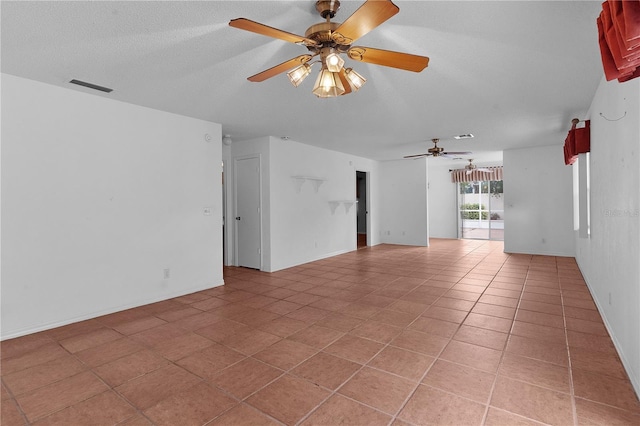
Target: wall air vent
(91, 86)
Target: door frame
(489, 210)
(367, 207)
(235, 206)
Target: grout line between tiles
(504, 350)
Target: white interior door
(247, 188)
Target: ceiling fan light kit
(298, 74)
(470, 168)
(328, 84)
(333, 62)
(330, 40)
(355, 79)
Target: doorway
(363, 209)
(248, 212)
(481, 210)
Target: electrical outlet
(167, 273)
(609, 298)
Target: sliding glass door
(481, 210)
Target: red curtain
(619, 39)
(578, 141)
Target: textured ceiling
(512, 73)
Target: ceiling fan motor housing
(321, 32)
(327, 8)
(436, 150)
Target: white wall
(610, 258)
(98, 198)
(443, 209)
(538, 197)
(300, 227)
(404, 210)
(304, 227)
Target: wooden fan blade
(285, 66)
(345, 82)
(258, 28)
(416, 156)
(368, 16)
(456, 153)
(388, 58)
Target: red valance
(578, 141)
(619, 39)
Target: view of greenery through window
(481, 207)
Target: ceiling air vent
(91, 86)
(465, 136)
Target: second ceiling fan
(438, 151)
(470, 168)
(330, 40)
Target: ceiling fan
(329, 40)
(437, 151)
(472, 167)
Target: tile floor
(457, 334)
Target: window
(481, 210)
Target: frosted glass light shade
(334, 62)
(328, 85)
(355, 79)
(298, 74)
